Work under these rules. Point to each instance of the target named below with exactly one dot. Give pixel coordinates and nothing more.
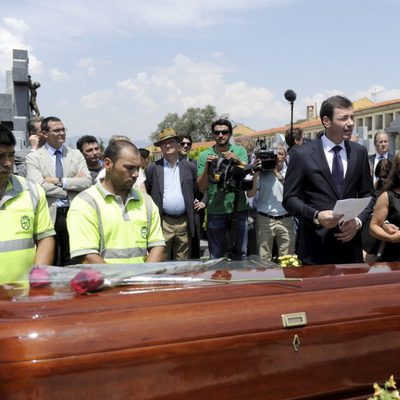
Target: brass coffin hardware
(294, 320)
(296, 343)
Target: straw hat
(165, 134)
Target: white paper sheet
(350, 208)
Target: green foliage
(195, 122)
(194, 154)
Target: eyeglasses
(183, 144)
(225, 132)
(59, 130)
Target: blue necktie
(59, 167)
(337, 168)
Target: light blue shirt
(173, 201)
(64, 202)
(271, 193)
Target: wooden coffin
(328, 335)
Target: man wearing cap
(171, 182)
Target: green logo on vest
(144, 230)
(25, 223)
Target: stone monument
(15, 107)
(393, 131)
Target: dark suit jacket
(155, 186)
(371, 161)
(309, 187)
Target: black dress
(392, 250)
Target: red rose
(39, 277)
(86, 281)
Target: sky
(118, 67)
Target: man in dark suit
(171, 182)
(381, 143)
(321, 172)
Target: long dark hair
(393, 181)
(382, 172)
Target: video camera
(229, 175)
(268, 157)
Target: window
(379, 121)
(388, 119)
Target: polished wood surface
(206, 340)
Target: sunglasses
(185, 144)
(225, 132)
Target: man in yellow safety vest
(111, 222)
(26, 234)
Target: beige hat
(165, 134)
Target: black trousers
(62, 256)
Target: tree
(195, 122)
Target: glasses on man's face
(59, 130)
(185, 144)
(224, 132)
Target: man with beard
(320, 172)
(220, 205)
(111, 222)
(90, 149)
(26, 234)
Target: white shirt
(328, 146)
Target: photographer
(220, 209)
(273, 221)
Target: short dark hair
(222, 121)
(30, 125)
(7, 138)
(292, 135)
(186, 136)
(46, 121)
(144, 153)
(328, 106)
(113, 150)
(85, 139)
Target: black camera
(267, 157)
(229, 175)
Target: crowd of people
(63, 206)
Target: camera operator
(220, 209)
(273, 221)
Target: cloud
(126, 17)
(17, 25)
(59, 76)
(12, 37)
(100, 99)
(377, 93)
(88, 64)
(148, 96)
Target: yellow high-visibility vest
(24, 219)
(98, 222)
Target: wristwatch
(315, 219)
(59, 183)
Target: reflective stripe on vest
(116, 253)
(124, 253)
(17, 244)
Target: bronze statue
(33, 86)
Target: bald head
(115, 149)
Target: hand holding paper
(350, 208)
